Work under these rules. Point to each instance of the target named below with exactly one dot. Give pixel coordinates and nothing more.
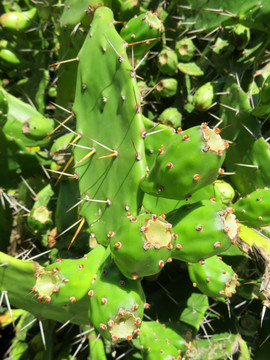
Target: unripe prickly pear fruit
(185, 49)
(40, 217)
(213, 277)
(166, 87)
(204, 97)
(254, 208)
(142, 245)
(223, 191)
(167, 62)
(204, 229)
(37, 127)
(16, 21)
(189, 162)
(171, 116)
(144, 31)
(116, 303)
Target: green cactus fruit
(142, 245)
(171, 116)
(213, 277)
(19, 278)
(116, 303)
(191, 68)
(144, 31)
(204, 97)
(40, 217)
(155, 135)
(161, 341)
(166, 87)
(36, 127)
(189, 162)
(240, 36)
(167, 62)
(204, 229)
(185, 49)
(10, 58)
(253, 208)
(67, 280)
(3, 108)
(109, 157)
(223, 192)
(17, 21)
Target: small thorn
(248, 130)
(29, 187)
(62, 108)
(37, 256)
(64, 62)
(58, 127)
(143, 41)
(121, 58)
(65, 168)
(114, 154)
(30, 323)
(82, 221)
(142, 59)
(263, 314)
(63, 173)
(65, 324)
(104, 146)
(66, 127)
(137, 154)
(247, 165)
(77, 222)
(78, 348)
(42, 334)
(84, 333)
(231, 108)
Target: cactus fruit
(167, 62)
(204, 229)
(177, 177)
(204, 97)
(213, 277)
(142, 245)
(171, 116)
(17, 21)
(166, 87)
(253, 208)
(116, 303)
(185, 49)
(142, 32)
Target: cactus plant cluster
(134, 179)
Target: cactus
(204, 229)
(213, 277)
(201, 145)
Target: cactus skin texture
(116, 303)
(204, 229)
(161, 341)
(253, 208)
(108, 112)
(142, 246)
(213, 277)
(191, 161)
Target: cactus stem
(64, 61)
(82, 221)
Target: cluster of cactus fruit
(134, 175)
